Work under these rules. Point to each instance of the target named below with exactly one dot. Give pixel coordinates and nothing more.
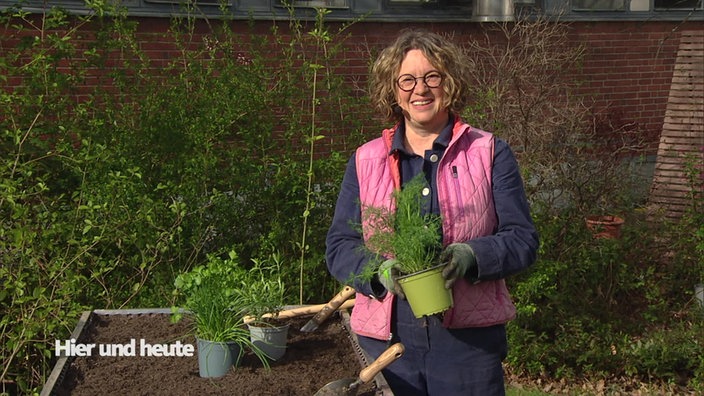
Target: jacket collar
(394, 136)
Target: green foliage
(599, 308)
(218, 276)
(217, 303)
(78, 230)
(262, 291)
(589, 307)
(213, 313)
(109, 189)
(410, 236)
(688, 232)
(674, 353)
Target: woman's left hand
(459, 260)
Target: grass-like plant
(408, 234)
(215, 315)
(262, 292)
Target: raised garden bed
(311, 360)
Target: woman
(421, 83)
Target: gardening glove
(388, 276)
(459, 260)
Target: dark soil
(311, 361)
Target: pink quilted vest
(464, 192)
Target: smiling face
(423, 107)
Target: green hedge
(109, 192)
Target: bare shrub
(527, 78)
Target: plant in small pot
(602, 222)
(601, 188)
(213, 303)
(605, 226)
(262, 295)
(414, 240)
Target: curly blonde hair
(448, 58)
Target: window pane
(319, 3)
(677, 4)
(599, 5)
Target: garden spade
(328, 309)
(348, 386)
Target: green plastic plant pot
(426, 292)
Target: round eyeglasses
(407, 82)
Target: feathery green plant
(412, 237)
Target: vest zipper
(458, 192)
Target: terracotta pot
(606, 226)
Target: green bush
(673, 353)
(587, 303)
(110, 191)
(603, 308)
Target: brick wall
(628, 67)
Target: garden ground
(311, 360)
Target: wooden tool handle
(300, 311)
(387, 357)
(335, 303)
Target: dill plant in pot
(414, 240)
(217, 310)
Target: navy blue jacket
(512, 248)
